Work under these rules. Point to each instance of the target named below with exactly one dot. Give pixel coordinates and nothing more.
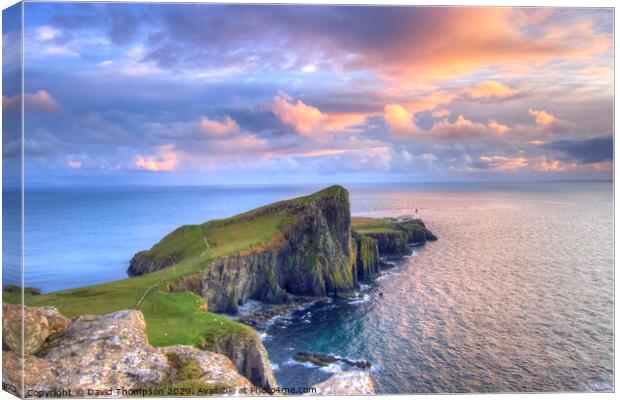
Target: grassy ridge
(364, 225)
(172, 318)
(176, 318)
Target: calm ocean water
(517, 294)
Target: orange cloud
(465, 40)
(399, 120)
(311, 121)
(500, 163)
(304, 118)
(489, 90)
(541, 117)
(497, 127)
(165, 160)
(218, 128)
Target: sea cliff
(307, 247)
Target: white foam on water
(364, 299)
(291, 362)
(332, 368)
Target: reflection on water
(517, 295)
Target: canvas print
(219, 199)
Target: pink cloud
(304, 118)
(310, 121)
(218, 128)
(165, 160)
(41, 100)
(501, 163)
(489, 90)
(541, 117)
(497, 127)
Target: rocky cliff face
(249, 356)
(316, 257)
(367, 257)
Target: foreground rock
(349, 383)
(322, 360)
(112, 351)
(39, 324)
(249, 356)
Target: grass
(364, 225)
(172, 318)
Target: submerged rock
(349, 383)
(323, 360)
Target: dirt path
(205, 240)
(146, 293)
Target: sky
(225, 94)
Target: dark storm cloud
(587, 151)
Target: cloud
(74, 164)
(399, 120)
(501, 163)
(41, 100)
(462, 128)
(310, 121)
(165, 160)
(489, 90)
(541, 117)
(440, 113)
(587, 151)
(304, 118)
(497, 127)
(218, 128)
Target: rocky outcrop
(391, 242)
(112, 351)
(315, 257)
(367, 259)
(323, 360)
(416, 231)
(249, 356)
(39, 324)
(142, 263)
(349, 383)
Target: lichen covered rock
(112, 351)
(349, 383)
(39, 324)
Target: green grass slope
(176, 318)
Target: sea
(517, 295)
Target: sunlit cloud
(310, 121)
(498, 128)
(166, 159)
(218, 128)
(501, 163)
(541, 117)
(489, 90)
(41, 100)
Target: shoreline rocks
(323, 360)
